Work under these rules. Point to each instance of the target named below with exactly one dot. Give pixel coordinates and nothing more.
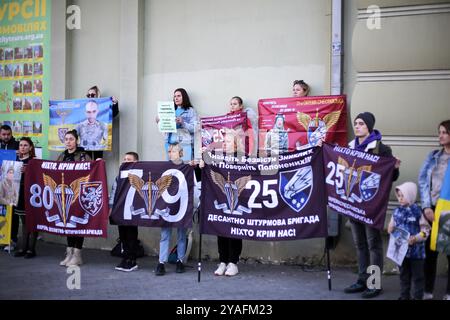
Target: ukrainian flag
(443, 205)
(5, 224)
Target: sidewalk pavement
(43, 278)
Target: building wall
(401, 73)
(86, 57)
(216, 50)
(141, 50)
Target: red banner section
(233, 129)
(67, 198)
(288, 124)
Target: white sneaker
(427, 296)
(446, 297)
(220, 271)
(232, 270)
(11, 247)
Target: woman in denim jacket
(186, 120)
(431, 178)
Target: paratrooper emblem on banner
(317, 128)
(150, 192)
(368, 182)
(64, 196)
(295, 189)
(232, 190)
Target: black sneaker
(160, 270)
(130, 265)
(121, 266)
(20, 253)
(371, 293)
(358, 286)
(30, 254)
(180, 267)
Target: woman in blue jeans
(175, 155)
(431, 179)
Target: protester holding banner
(186, 121)
(431, 182)
(26, 153)
(94, 92)
(175, 155)
(128, 234)
(7, 141)
(73, 153)
(368, 241)
(229, 249)
(300, 88)
(409, 217)
(237, 106)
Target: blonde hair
(236, 139)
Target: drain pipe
(336, 47)
(334, 219)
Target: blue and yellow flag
(5, 224)
(440, 232)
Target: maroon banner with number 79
(67, 198)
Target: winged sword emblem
(231, 189)
(317, 127)
(64, 195)
(150, 191)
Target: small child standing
(175, 155)
(128, 234)
(409, 217)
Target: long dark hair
(239, 99)
(446, 125)
(30, 142)
(186, 101)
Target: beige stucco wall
(401, 73)
(216, 50)
(141, 50)
(92, 57)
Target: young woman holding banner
(26, 153)
(73, 153)
(300, 88)
(229, 249)
(431, 180)
(237, 106)
(186, 121)
(94, 92)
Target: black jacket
(13, 144)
